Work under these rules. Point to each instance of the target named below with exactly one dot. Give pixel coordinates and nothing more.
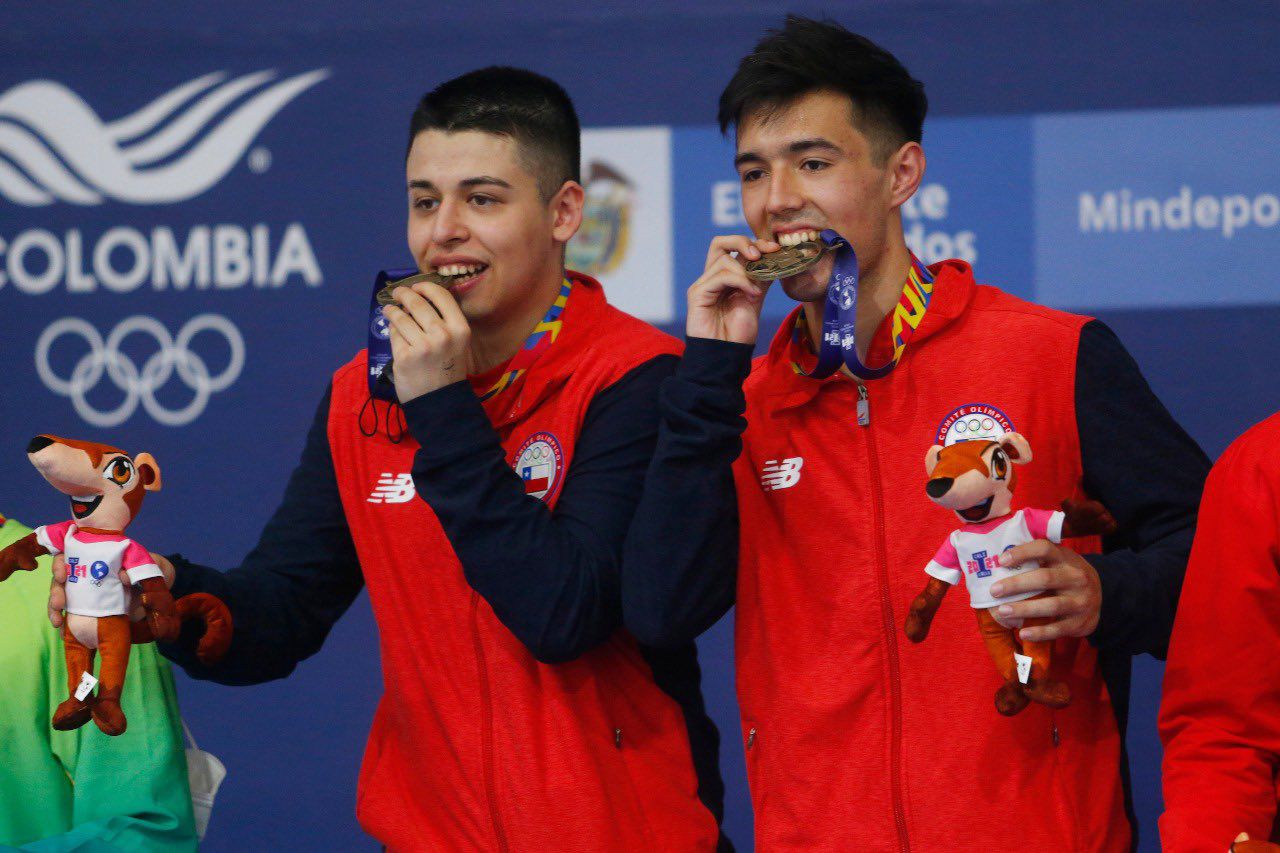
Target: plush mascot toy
(115, 594)
(975, 479)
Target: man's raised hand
(725, 303)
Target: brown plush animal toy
(976, 479)
(115, 593)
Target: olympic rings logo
(140, 385)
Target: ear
(566, 209)
(906, 171)
(1016, 448)
(149, 470)
(931, 458)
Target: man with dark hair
(856, 739)
(517, 713)
(531, 110)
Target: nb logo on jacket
(393, 489)
(781, 474)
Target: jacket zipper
(890, 628)
(486, 725)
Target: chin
(810, 285)
(805, 287)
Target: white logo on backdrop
(64, 152)
(140, 385)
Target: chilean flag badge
(540, 463)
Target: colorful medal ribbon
(544, 335)
(839, 342)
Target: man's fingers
(1052, 576)
(401, 323)
(1068, 627)
(57, 603)
(747, 248)
(444, 303)
(717, 286)
(1047, 606)
(729, 267)
(1039, 549)
(1032, 581)
(722, 246)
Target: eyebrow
(800, 146)
(478, 181)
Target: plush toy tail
(207, 608)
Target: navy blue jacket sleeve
(680, 565)
(551, 577)
(1149, 473)
(297, 582)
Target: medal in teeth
(800, 250)
(445, 276)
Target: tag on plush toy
(87, 683)
(1024, 667)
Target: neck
(879, 288)
(492, 344)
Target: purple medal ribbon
(380, 337)
(839, 341)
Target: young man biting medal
(855, 738)
(517, 714)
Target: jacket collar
(953, 288)
(580, 325)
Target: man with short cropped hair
(517, 714)
(855, 738)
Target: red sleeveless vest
(476, 745)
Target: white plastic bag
(205, 774)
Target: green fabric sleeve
(83, 791)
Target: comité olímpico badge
(973, 422)
(540, 464)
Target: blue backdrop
(226, 179)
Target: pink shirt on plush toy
(973, 552)
(94, 563)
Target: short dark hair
(805, 56)
(534, 111)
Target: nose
(40, 442)
(783, 197)
(938, 487)
(447, 226)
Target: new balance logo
(781, 474)
(393, 489)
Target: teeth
(83, 498)
(452, 270)
(797, 237)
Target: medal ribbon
(839, 342)
(544, 335)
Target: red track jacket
(855, 738)
(1220, 717)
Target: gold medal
(788, 261)
(384, 296)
